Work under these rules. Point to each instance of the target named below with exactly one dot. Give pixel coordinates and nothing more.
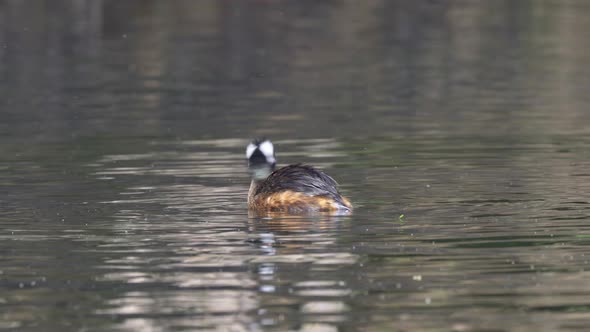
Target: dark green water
(459, 129)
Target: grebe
(293, 188)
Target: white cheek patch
(267, 150)
(250, 150)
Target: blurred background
(218, 69)
(459, 129)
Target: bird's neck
(253, 186)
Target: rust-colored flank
(291, 201)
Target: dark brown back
(301, 178)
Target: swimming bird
(293, 189)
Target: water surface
(459, 130)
